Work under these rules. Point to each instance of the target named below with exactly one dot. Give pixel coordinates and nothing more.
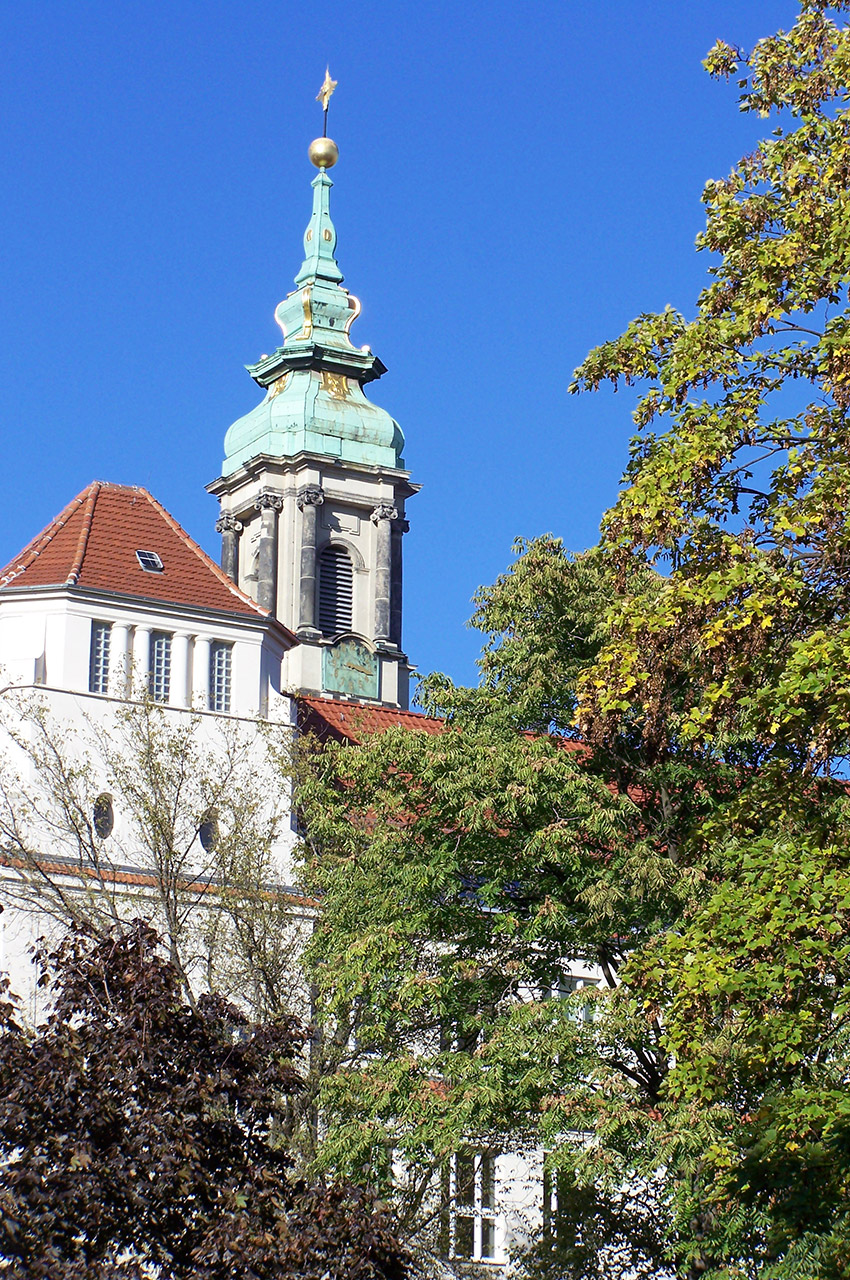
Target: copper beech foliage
(143, 1137)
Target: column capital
(312, 495)
(227, 523)
(384, 511)
(269, 502)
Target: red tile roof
(351, 721)
(93, 543)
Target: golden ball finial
(323, 152)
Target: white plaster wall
(22, 644)
(86, 728)
(303, 668)
(20, 932)
(519, 1202)
(46, 640)
(68, 647)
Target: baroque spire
(320, 236)
(314, 381)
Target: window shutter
(336, 591)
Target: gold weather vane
(324, 96)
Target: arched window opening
(208, 832)
(103, 816)
(336, 591)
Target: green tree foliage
(463, 876)
(692, 846)
(755, 986)
(738, 489)
(142, 1136)
(740, 477)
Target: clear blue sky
(516, 182)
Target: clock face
(349, 666)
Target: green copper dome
(314, 383)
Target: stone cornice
(267, 464)
(158, 608)
(363, 366)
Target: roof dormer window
(149, 561)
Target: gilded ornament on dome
(307, 331)
(335, 384)
(278, 385)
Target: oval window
(103, 816)
(208, 831)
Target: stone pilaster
(229, 528)
(181, 693)
(141, 661)
(268, 504)
(382, 517)
(309, 499)
(201, 673)
(120, 659)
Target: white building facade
(115, 624)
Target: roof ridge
(36, 545)
(207, 560)
(83, 540)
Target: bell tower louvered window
(336, 591)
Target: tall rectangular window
(472, 1201)
(160, 666)
(99, 657)
(221, 664)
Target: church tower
(313, 485)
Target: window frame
(478, 1213)
(100, 656)
(568, 986)
(159, 685)
(221, 705)
(150, 561)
